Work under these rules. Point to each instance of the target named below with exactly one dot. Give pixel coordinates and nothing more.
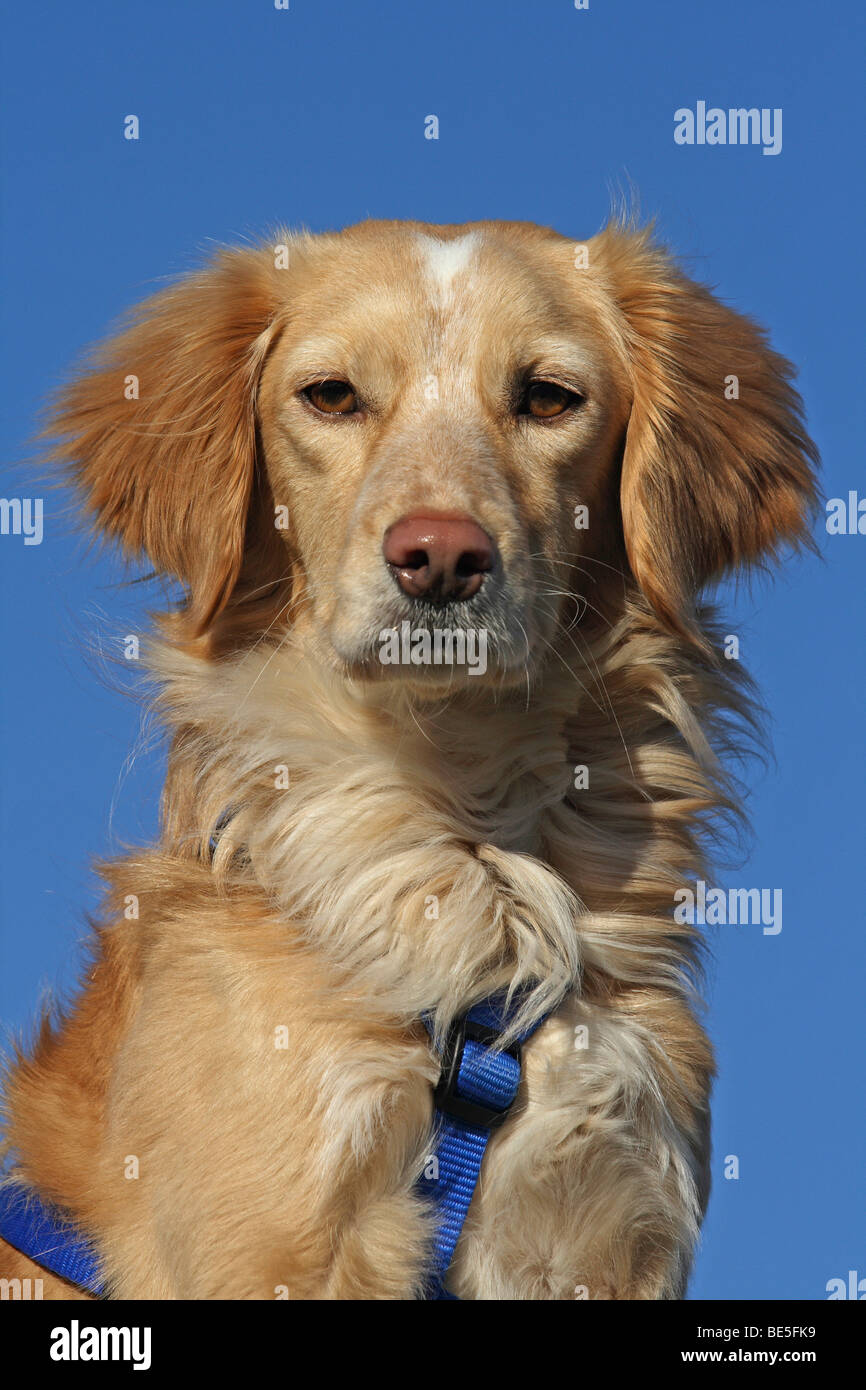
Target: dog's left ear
(717, 468)
(159, 429)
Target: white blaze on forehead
(446, 259)
(447, 267)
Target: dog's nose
(438, 558)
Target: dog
(445, 700)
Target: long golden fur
(407, 842)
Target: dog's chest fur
(265, 1110)
(280, 1128)
(412, 863)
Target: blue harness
(45, 1236)
(477, 1087)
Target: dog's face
(432, 415)
(478, 432)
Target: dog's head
(404, 430)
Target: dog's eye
(333, 397)
(544, 400)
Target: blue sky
(315, 116)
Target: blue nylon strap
(485, 1078)
(47, 1238)
(481, 1078)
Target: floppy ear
(717, 473)
(159, 428)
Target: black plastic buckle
(445, 1096)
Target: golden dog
(348, 447)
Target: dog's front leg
(596, 1188)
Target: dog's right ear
(711, 483)
(159, 428)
